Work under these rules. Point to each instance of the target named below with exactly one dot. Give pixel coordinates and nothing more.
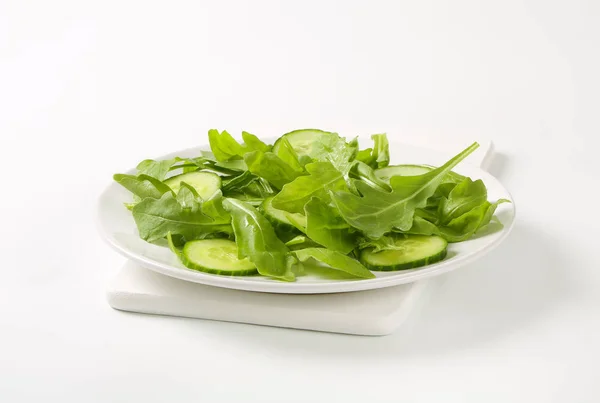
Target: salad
(312, 202)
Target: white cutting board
(373, 312)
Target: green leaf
(254, 192)
(322, 179)
(337, 151)
(325, 226)
(224, 146)
(172, 246)
(381, 151)
(142, 186)
(256, 240)
(286, 152)
(231, 167)
(155, 218)
(462, 198)
(489, 214)
(188, 197)
(238, 182)
(301, 242)
(461, 228)
(421, 226)
(226, 149)
(254, 143)
(381, 244)
(365, 156)
(270, 167)
(465, 226)
(259, 188)
(193, 164)
(379, 155)
(335, 261)
(377, 211)
(156, 169)
(428, 213)
(443, 190)
(213, 208)
(365, 173)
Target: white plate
(118, 228)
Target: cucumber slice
(282, 221)
(401, 170)
(216, 256)
(302, 142)
(205, 183)
(412, 251)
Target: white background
(90, 88)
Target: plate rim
(278, 287)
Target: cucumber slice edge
(216, 256)
(205, 183)
(426, 250)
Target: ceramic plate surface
(118, 228)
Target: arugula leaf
(286, 152)
(379, 155)
(301, 242)
(325, 226)
(189, 164)
(238, 182)
(172, 245)
(254, 143)
(253, 192)
(460, 228)
(462, 198)
(381, 244)
(377, 211)
(335, 261)
(337, 151)
(322, 179)
(463, 227)
(156, 169)
(489, 214)
(246, 197)
(256, 240)
(381, 151)
(231, 167)
(224, 146)
(270, 167)
(428, 213)
(260, 188)
(421, 226)
(213, 208)
(142, 185)
(188, 197)
(157, 217)
(365, 173)
(443, 190)
(365, 156)
(226, 149)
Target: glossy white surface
(97, 85)
(118, 228)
